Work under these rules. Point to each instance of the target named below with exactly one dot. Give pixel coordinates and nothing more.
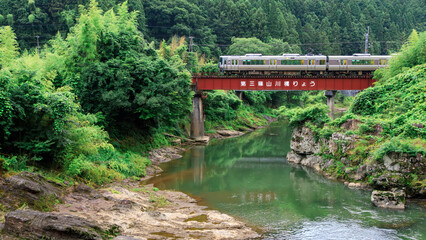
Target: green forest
(110, 77)
(327, 27)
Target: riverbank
(123, 210)
(391, 177)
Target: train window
(322, 62)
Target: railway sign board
(281, 83)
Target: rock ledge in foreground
(30, 224)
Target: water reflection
(249, 178)
(198, 164)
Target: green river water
(248, 178)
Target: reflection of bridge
(270, 83)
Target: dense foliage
(388, 119)
(399, 101)
(96, 90)
(55, 105)
(328, 27)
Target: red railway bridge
(331, 84)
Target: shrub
(317, 114)
(221, 105)
(399, 145)
(14, 163)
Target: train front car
(356, 64)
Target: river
(248, 178)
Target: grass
(46, 203)
(158, 201)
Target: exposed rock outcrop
(393, 171)
(164, 154)
(146, 213)
(303, 141)
(30, 224)
(28, 188)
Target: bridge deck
(281, 83)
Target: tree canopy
(327, 27)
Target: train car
(357, 63)
(259, 64)
(299, 64)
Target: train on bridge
(296, 64)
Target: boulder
(391, 164)
(313, 161)
(351, 124)
(360, 173)
(229, 133)
(388, 199)
(293, 157)
(164, 154)
(125, 238)
(84, 191)
(28, 188)
(341, 141)
(30, 224)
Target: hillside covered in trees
(327, 27)
(111, 77)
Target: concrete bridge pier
(330, 94)
(197, 119)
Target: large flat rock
(30, 224)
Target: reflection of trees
(265, 193)
(256, 144)
(280, 189)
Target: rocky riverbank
(34, 207)
(125, 210)
(331, 157)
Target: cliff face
(332, 157)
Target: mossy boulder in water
(388, 199)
